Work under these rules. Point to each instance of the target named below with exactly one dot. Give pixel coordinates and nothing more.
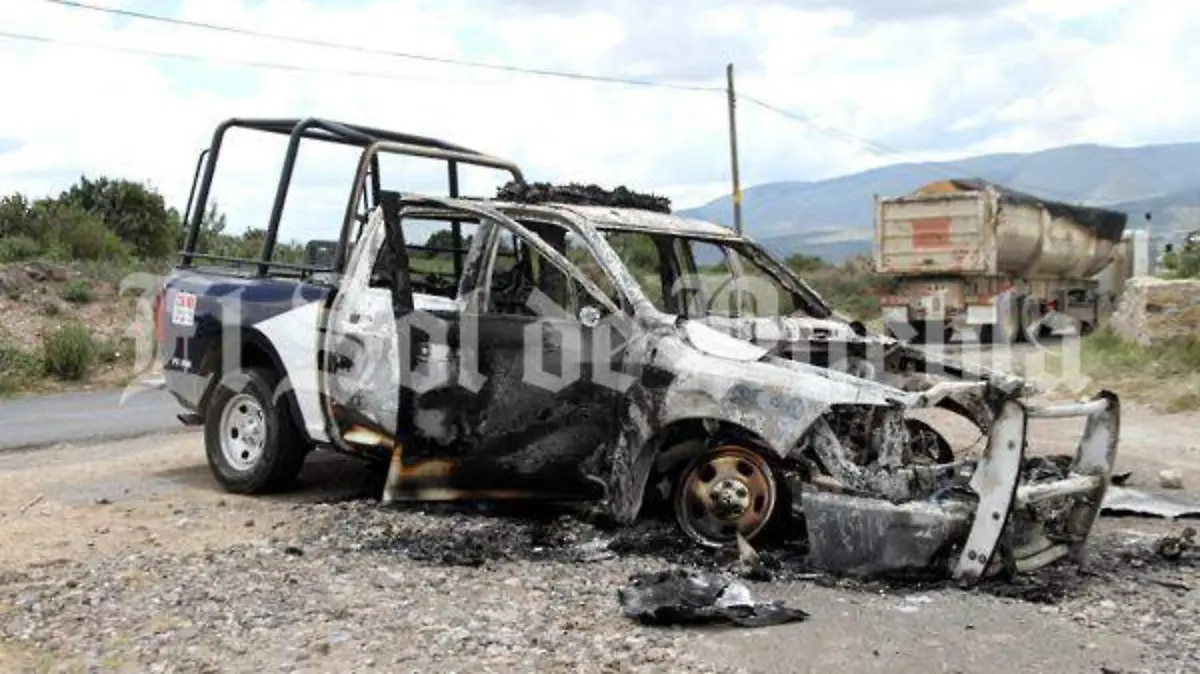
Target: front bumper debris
(1002, 516)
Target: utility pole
(733, 152)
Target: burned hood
(713, 342)
(773, 397)
(769, 330)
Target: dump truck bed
(959, 228)
(945, 234)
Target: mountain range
(833, 218)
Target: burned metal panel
(886, 512)
(870, 536)
(995, 481)
(650, 221)
(776, 403)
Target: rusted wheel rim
(727, 490)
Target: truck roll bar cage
(372, 140)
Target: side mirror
(590, 316)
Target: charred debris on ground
(480, 535)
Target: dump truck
(1008, 265)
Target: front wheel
(725, 491)
(251, 443)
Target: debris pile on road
(685, 597)
(1133, 501)
(1170, 479)
(1175, 547)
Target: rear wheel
(727, 490)
(251, 443)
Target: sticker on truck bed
(183, 311)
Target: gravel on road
(358, 587)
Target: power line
(313, 42)
(870, 146)
(270, 65)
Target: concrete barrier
(1156, 311)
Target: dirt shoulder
(126, 556)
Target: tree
(804, 264)
(1183, 263)
(16, 217)
(137, 214)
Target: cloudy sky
(878, 81)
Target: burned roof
(633, 219)
(618, 208)
(581, 195)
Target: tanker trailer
(970, 253)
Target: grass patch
(1167, 375)
(1184, 402)
(18, 369)
(113, 272)
(68, 352)
(77, 291)
(851, 287)
(116, 350)
(1105, 352)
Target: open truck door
(359, 359)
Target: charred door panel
(523, 413)
(539, 416)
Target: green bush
(69, 352)
(18, 248)
(77, 291)
(851, 287)
(1183, 263)
(134, 213)
(115, 350)
(18, 369)
(80, 234)
(15, 217)
(1105, 352)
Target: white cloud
(926, 79)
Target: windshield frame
(627, 284)
(746, 250)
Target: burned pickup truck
(589, 345)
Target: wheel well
(254, 352)
(673, 445)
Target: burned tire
(726, 490)
(252, 444)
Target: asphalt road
(36, 421)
